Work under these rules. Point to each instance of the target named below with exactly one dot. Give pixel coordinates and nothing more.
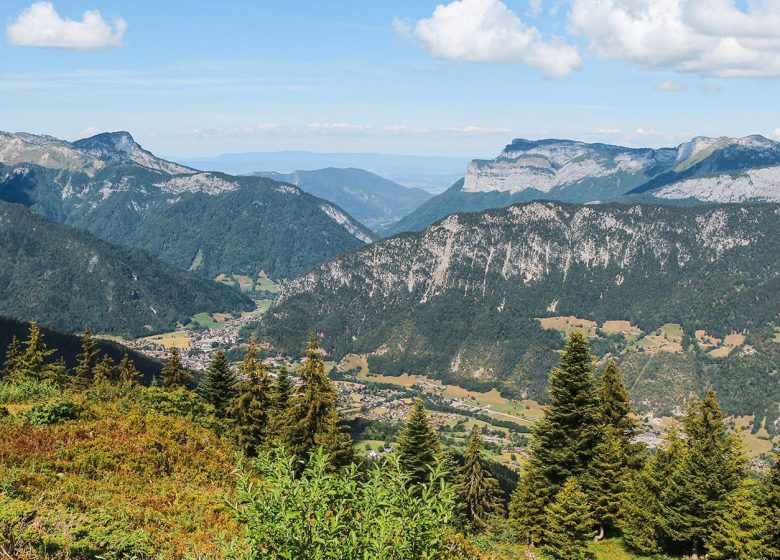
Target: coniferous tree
(32, 363)
(250, 409)
(128, 373)
(642, 522)
(86, 360)
(606, 479)
(174, 374)
(312, 419)
(481, 491)
(282, 389)
(104, 371)
(217, 387)
(771, 511)
(568, 524)
(527, 506)
(698, 490)
(616, 412)
(565, 438)
(417, 445)
(738, 529)
(13, 356)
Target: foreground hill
(68, 278)
(463, 299)
(369, 198)
(210, 223)
(702, 170)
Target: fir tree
(128, 374)
(642, 523)
(771, 511)
(86, 360)
(738, 529)
(616, 412)
(104, 371)
(481, 491)
(173, 374)
(217, 387)
(527, 506)
(569, 525)
(417, 445)
(32, 363)
(13, 356)
(698, 490)
(282, 389)
(311, 419)
(249, 410)
(565, 438)
(605, 480)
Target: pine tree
(311, 419)
(32, 363)
(738, 528)
(86, 360)
(771, 510)
(217, 387)
(606, 479)
(104, 371)
(481, 491)
(642, 523)
(173, 374)
(128, 374)
(569, 525)
(698, 490)
(13, 356)
(417, 445)
(249, 410)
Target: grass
(178, 339)
(569, 324)
(207, 321)
(672, 332)
(608, 549)
(265, 284)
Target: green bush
(26, 391)
(346, 515)
(54, 413)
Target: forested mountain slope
(68, 278)
(470, 297)
(209, 223)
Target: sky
(462, 78)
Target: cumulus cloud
(669, 85)
(89, 131)
(488, 31)
(706, 37)
(41, 26)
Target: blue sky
(194, 78)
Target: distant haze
(431, 173)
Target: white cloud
(349, 129)
(669, 85)
(638, 137)
(777, 132)
(41, 26)
(488, 31)
(705, 37)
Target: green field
(207, 321)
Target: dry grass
(177, 339)
(569, 324)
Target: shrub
(53, 413)
(344, 515)
(26, 391)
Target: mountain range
(209, 223)
(430, 173)
(67, 278)
(481, 299)
(699, 171)
(373, 200)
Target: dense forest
(256, 463)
